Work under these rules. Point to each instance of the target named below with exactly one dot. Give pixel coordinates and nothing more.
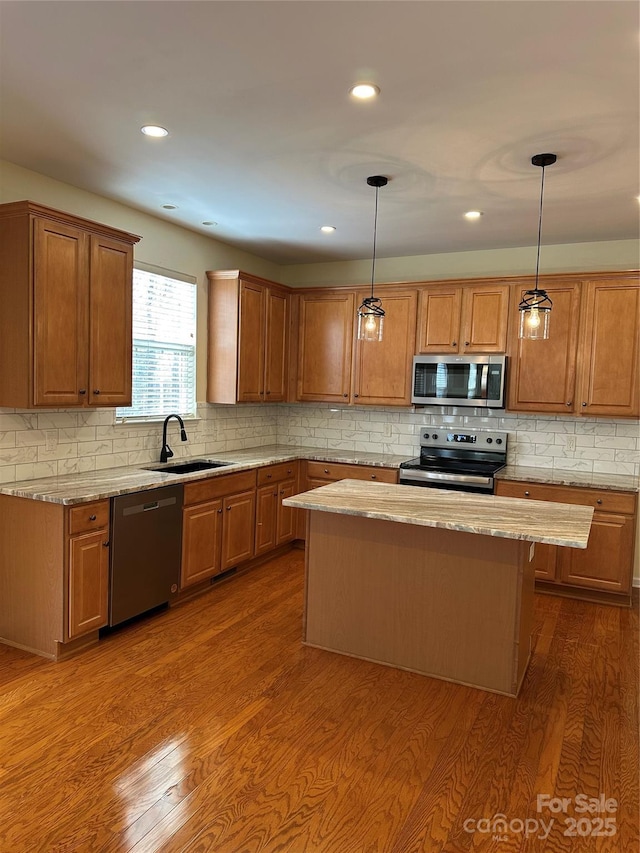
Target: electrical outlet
(571, 443)
(50, 440)
(386, 430)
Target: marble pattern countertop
(71, 489)
(95, 485)
(510, 518)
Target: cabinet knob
(373, 476)
(106, 544)
(96, 391)
(262, 392)
(526, 494)
(345, 395)
(274, 494)
(92, 517)
(288, 470)
(454, 343)
(268, 392)
(466, 343)
(82, 391)
(599, 501)
(568, 403)
(326, 470)
(269, 476)
(356, 395)
(584, 404)
(282, 491)
(228, 509)
(220, 511)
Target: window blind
(164, 347)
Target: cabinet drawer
(603, 500)
(87, 517)
(275, 473)
(217, 487)
(338, 471)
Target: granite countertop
(510, 518)
(555, 477)
(71, 489)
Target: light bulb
(370, 323)
(533, 320)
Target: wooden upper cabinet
(326, 330)
(247, 339)
(542, 374)
(439, 319)
(382, 369)
(65, 327)
(465, 319)
(608, 381)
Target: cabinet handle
(82, 391)
(454, 343)
(274, 494)
(584, 404)
(288, 470)
(373, 476)
(466, 343)
(326, 470)
(599, 501)
(356, 395)
(220, 511)
(526, 494)
(268, 392)
(282, 491)
(345, 395)
(262, 392)
(228, 509)
(269, 476)
(96, 391)
(92, 517)
(106, 544)
(568, 403)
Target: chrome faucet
(166, 452)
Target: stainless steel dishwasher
(146, 546)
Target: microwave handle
(484, 379)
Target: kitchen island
(436, 582)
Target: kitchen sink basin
(187, 467)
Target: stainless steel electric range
(451, 458)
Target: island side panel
(435, 601)
(31, 574)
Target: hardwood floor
(211, 728)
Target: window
(164, 345)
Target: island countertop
(510, 518)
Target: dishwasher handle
(149, 506)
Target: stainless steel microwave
(459, 380)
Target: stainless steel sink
(187, 467)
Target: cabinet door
(545, 561)
(287, 515)
(542, 374)
(266, 513)
(485, 315)
(251, 343)
(439, 320)
(326, 338)
(110, 334)
(277, 315)
(382, 374)
(88, 582)
(201, 538)
(61, 267)
(609, 358)
(607, 562)
(238, 528)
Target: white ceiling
(265, 140)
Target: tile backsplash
(47, 443)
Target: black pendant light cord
(539, 228)
(375, 235)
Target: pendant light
(371, 313)
(535, 306)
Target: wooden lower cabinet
(606, 566)
(276, 524)
(88, 586)
(217, 525)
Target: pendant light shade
(535, 307)
(370, 312)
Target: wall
(576, 257)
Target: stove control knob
(489, 441)
(498, 441)
(435, 435)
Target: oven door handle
(421, 476)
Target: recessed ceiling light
(170, 206)
(473, 214)
(363, 91)
(209, 222)
(154, 130)
(327, 229)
